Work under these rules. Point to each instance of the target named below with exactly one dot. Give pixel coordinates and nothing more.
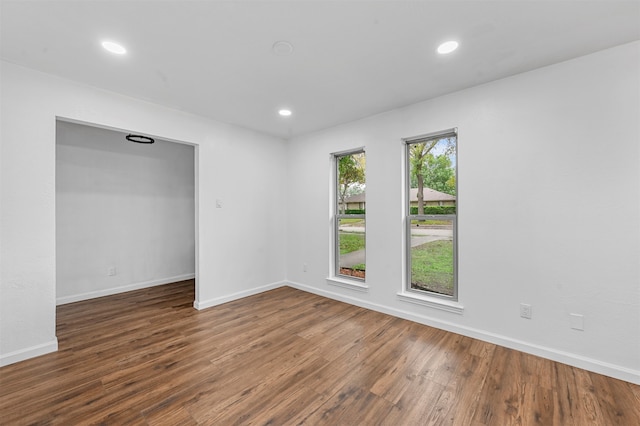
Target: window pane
(351, 184)
(432, 177)
(432, 256)
(350, 215)
(351, 242)
(432, 204)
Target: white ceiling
(351, 59)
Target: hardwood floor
(289, 357)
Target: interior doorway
(126, 213)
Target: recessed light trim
(447, 47)
(282, 48)
(114, 47)
(285, 112)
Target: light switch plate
(577, 321)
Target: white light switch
(218, 203)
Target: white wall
(123, 205)
(549, 209)
(538, 153)
(239, 252)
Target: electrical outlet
(111, 271)
(304, 267)
(525, 310)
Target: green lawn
(350, 241)
(431, 263)
(432, 267)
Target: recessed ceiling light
(112, 47)
(282, 48)
(285, 112)
(447, 47)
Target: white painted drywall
(121, 205)
(240, 246)
(549, 209)
(538, 153)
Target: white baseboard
(31, 352)
(234, 296)
(579, 361)
(122, 289)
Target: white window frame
(335, 278)
(423, 297)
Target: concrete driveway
(419, 236)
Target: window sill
(350, 284)
(431, 302)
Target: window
(349, 215)
(431, 204)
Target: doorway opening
(126, 214)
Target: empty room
(320, 212)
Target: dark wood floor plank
(606, 391)
(415, 353)
(265, 391)
(292, 410)
(351, 405)
(289, 357)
